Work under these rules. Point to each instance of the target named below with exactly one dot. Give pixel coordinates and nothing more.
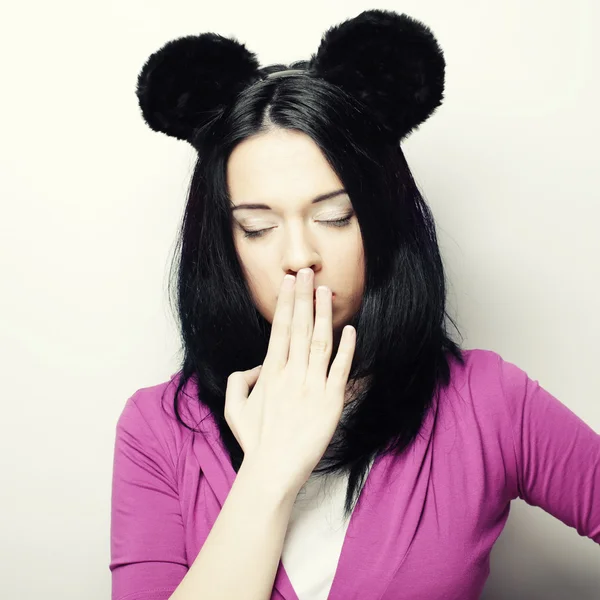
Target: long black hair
(402, 345)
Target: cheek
(348, 259)
(249, 262)
(261, 290)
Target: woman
(370, 456)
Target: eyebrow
(319, 198)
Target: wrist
(270, 479)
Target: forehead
(279, 167)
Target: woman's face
(285, 171)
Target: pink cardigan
(425, 523)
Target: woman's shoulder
(487, 384)
(150, 411)
(484, 368)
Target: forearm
(240, 556)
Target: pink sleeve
(148, 558)
(557, 454)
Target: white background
(91, 202)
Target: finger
(235, 394)
(340, 368)
(240, 382)
(322, 339)
(279, 341)
(302, 323)
(251, 375)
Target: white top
(315, 536)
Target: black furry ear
(391, 62)
(189, 80)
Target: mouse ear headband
(390, 62)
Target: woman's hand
(289, 418)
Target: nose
(299, 252)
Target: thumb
(238, 388)
(252, 375)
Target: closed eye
(337, 223)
